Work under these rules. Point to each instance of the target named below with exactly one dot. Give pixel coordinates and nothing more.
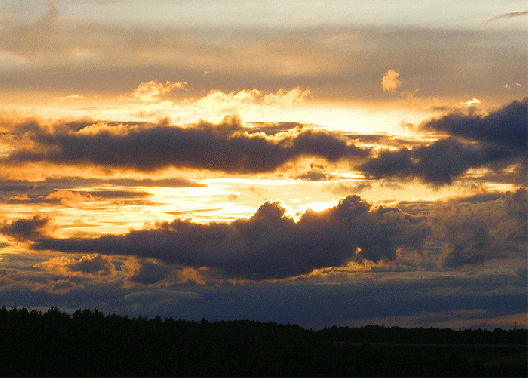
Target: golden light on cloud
(137, 153)
(390, 81)
(473, 101)
(151, 91)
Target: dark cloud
(481, 228)
(499, 136)
(109, 194)
(273, 128)
(98, 265)
(315, 176)
(438, 163)
(49, 185)
(267, 245)
(223, 147)
(68, 197)
(506, 127)
(145, 271)
(26, 229)
(85, 267)
(169, 182)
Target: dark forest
(90, 343)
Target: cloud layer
(267, 245)
(223, 147)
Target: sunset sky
(312, 162)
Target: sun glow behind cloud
(119, 130)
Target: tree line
(90, 343)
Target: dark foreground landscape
(89, 343)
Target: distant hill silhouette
(89, 343)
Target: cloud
(390, 81)
(507, 126)
(508, 15)
(145, 271)
(353, 187)
(151, 91)
(268, 245)
(70, 97)
(501, 135)
(438, 163)
(473, 101)
(217, 102)
(68, 197)
(116, 54)
(224, 147)
(274, 128)
(215, 105)
(482, 228)
(26, 229)
(32, 39)
(51, 184)
(60, 287)
(315, 176)
(96, 265)
(65, 190)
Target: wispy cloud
(508, 15)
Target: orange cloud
(390, 81)
(151, 91)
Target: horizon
(204, 320)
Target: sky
(312, 162)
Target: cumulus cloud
(390, 81)
(224, 147)
(269, 244)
